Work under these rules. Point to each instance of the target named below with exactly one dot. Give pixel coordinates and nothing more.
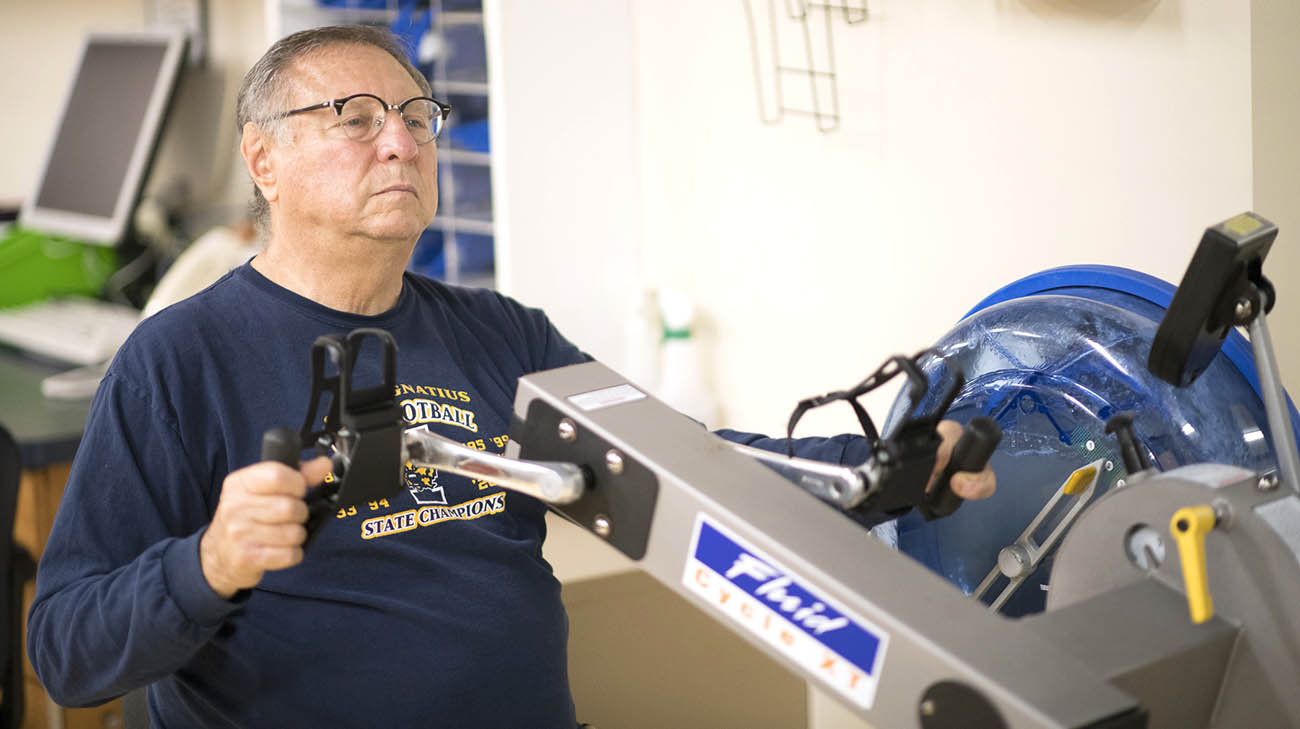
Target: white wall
(566, 199)
(980, 141)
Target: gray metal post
(1279, 416)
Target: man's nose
(395, 141)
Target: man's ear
(256, 146)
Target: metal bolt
(601, 525)
(1222, 513)
(1013, 561)
(928, 708)
(1243, 310)
(614, 461)
(567, 430)
(1267, 482)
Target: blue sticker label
(786, 612)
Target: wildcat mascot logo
(422, 482)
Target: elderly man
(176, 564)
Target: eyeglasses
(362, 116)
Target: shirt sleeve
(121, 599)
(847, 449)
(546, 348)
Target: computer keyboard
(74, 330)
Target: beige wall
(1275, 63)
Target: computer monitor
(105, 136)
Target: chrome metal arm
(554, 483)
(843, 486)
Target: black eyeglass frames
(362, 116)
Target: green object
(35, 266)
(677, 333)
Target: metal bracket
(1018, 560)
(364, 426)
(620, 503)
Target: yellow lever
(1079, 480)
(1189, 526)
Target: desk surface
(48, 431)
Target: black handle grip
(978, 440)
(1121, 426)
(281, 445)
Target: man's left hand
(965, 484)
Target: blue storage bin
(466, 55)
(471, 188)
(470, 135)
(354, 4)
(429, 257)
(477, 254)
(467, 128)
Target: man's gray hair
(264, 95)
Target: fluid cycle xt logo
(785, 611)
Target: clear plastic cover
(1051, 370)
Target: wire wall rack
(779, 90)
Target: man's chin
(396, 231)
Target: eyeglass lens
(362, 118)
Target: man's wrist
(209, 559)
(189, 588)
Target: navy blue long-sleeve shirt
(431, 608)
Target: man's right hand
(258, 525)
